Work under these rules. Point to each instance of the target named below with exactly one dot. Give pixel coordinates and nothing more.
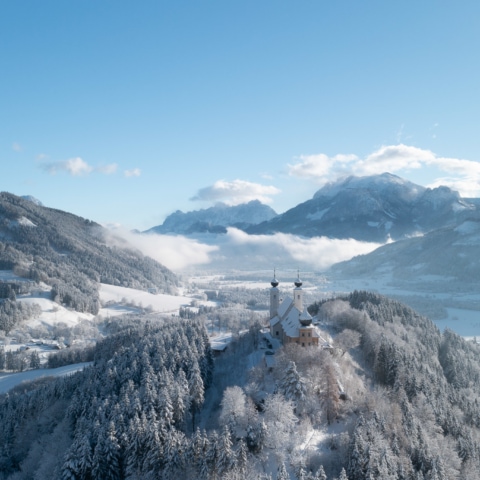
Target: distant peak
(371, 182)
(32, 199)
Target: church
(289, 320)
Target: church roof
(290, 323)
(274, 320)
(285, 307)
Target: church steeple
(298, 282)
(298, 293)
(274, 296)
(274, 282)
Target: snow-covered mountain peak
(373, 183)
(372, 208)
(32, 199)
(215, 219)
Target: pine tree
(226, 455)
(242, 456)
(343, 475)
(84, 458)
(320, 475)
(293, 386)
(282, 473)
(196, 390)
(112, 455)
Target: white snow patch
(23, 221)
(9, 276)
(317, 215)
(52, 313)
(157, 302)
(10, 380)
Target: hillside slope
(444, 260)
(391, 398)
(71, 254)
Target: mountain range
(215, 219)
(375, 208)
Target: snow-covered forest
(389, 397)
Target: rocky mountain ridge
(375, 208)
(215, 219)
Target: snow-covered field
(11, 380)
(155, 302)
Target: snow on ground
(465, 323)
(9, 276)
(156, 302)
(52, 313)
(220, 341)
(11, 380)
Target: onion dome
(298, 282)
(305, 318)
(274, 282)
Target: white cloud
(107, 169)
(321, 167)
(74, 166)
(136, 172)
(464, 175)
(236, 192)
(16, 147)
(237, 249)
(175, 252)
(318, 252)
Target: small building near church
(290, 321)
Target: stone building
(289, 319)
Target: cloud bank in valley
(238, 250)
(236, 192)
(460, 174)
(175, 252)
(318, 253)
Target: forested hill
(392, 396)
(422, 417)
(70, 254)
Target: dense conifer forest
(388, 397)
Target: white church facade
(289, 320)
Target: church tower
(298, 293)
(274, 296)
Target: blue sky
(123, 111)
